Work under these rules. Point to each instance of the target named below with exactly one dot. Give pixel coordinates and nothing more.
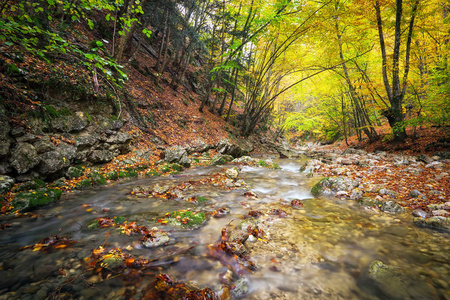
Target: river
(322, 250)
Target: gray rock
(232, 173)
(157, 238)
(435, 165)
(58, 159)
(226, 147)
(69, 124)
(44, 145)
(384, 191)
(333, 185)
(177, 155)
(116, 125)
(443, 154)
(86, 141)
(414, 193)
(24, 157)
(100, 156)
(17, 131)
(27, 137)
(220, 159)
(26, 186)
(437, 222)
(391, 281)
(6, 183)
(385, 206)
(424, 158)
(391, 206)
(240, 288)
(419, 213)
(119, 138)
(5, 145)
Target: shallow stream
(322, 250)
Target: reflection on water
(321, 251)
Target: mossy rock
(128, 173)
(317, 189)
(98, 179)
(221, 159)
(186, 218)
(74, 172)
(84, 184)
(172, 168)
(26, 201)
(153, 173)
(113, 175)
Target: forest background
(308, 70)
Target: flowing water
(320, 251)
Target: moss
(113, 175)
(93, 225)
(40, 182)
(186, 218)
(98, 179)
(31, 200)
(128, 173)
(119, 220)
(74, 172)
(153, 173)
(84, 184)
(201, 199)
(316, 189)
(262, 163)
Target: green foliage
(113, 175)
(153, 173)
(316, 189)
(201, 199)
(119, 220)
(98, 179)
(84, 184)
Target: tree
(396, 88)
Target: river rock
(6, 183)
(420, 213)
(436, 222)
(156, 238)
(391, 281)
(443, 154)
(24, 157)
(424, 158)
(232, 173)
(385, 206)
(332, 185)
(177, 155)
(220, 159)
(240, 288)
(55, 161)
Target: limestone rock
(57, 159)
(333, 185)
(24, 157)
(69, 124)
(177, 155)
(100, 156)
(232, 173)
(226, 147)
(6, 183)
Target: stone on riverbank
(385, 206)
(437, 222)
(333, 185)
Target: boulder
(100, 156)
(6, 183)
(228, 148)
(177, 155)
(44, 145)
(24, 157)
(333, 185)
(155, 238)
(58, 159)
